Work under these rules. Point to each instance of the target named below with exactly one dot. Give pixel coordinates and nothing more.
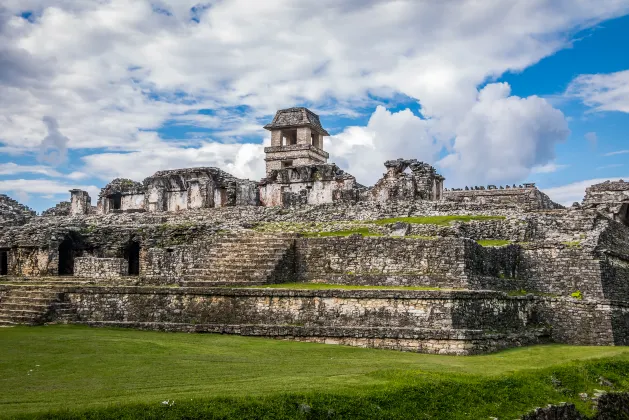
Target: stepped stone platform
(444, 322)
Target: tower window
(287, 164)
(289, 137)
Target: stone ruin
(513, 268)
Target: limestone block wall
(308, 308)
(561, 270)
(586, 322)
(32, 262)
(100, 268)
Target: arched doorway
(132, 255)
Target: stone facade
(101, 268)
(547, 272)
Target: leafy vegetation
(81, 373)
(577, 295)
(437, 220)
(493, 242)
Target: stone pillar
(303, 135)
(155, 199)
(80, 202)
(276, 138)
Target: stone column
(80, 202)
(303, 135)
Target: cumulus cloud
(142, 64)
(602, 92)
(568, 194)
(388, 135)
(502, 138)
(54, 147)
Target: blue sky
(490, 93)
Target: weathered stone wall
(14, 213)
(527, 197)
(585, 322)
(442, 262)
(60, 209)
(101, 268)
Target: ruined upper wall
(14, 213)
(609, 198)
(178, 189)
(526, 196)
(421, 183)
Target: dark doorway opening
(115, 202)
(132, 255)
(66, 257)
(4, 263)
(71, 247)
(624, 214)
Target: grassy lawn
(323, 286)
(437, 220)
(362, 231)
(110, 373)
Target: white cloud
(547, 168)
(602, 92)
(134, 68)
(615, 165)
(19, 187)
(11, 168)
(568, 194)
(109, 71)
(618, 152)
(241, 160)
(502, 138)
(54, 147)
(363, 150)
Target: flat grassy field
(326, 286)
(80, 372)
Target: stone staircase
(246, 259)
(29, 305)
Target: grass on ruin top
(325, 286)
(361, 231)
(437, 220)
(114, 373)
(493, 242)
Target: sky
(491, 92)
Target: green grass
(112, 373)
(325, 286)
(436, 220)
(361, 231)
(493, 242)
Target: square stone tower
(296, 140)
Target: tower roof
(296, 117)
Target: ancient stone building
(296, 140)
(503, 266)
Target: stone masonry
(449, 271)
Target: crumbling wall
(14, 213)
(100, 268)
(312, 184)
(60, 209)
(609, 198)
(422, 183)
(527, 197)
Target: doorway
(4, 263)
(66, 257)
(132, 255)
